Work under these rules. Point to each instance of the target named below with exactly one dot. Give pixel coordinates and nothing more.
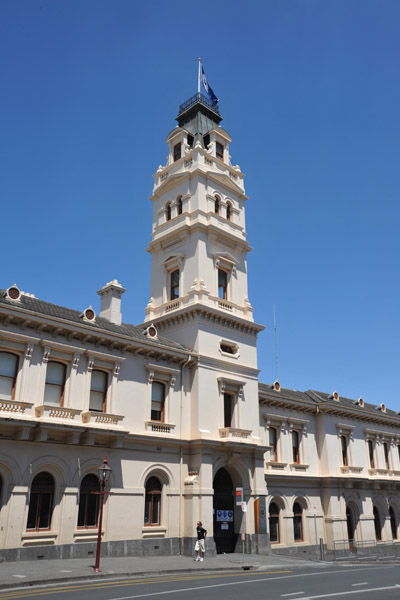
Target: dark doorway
(224, 529)
(350, 528)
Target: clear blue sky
(309, 91)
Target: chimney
(110, 301)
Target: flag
(208, 89)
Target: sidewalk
(39, 572)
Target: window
(174, 287)
(157, 401)
(393, 523)
(295, 447)
(177, 152)
(274, 523)
(228, 410)
(222, 284)
(378, 526)
(41, 502)
(228, 211)
(343, 442)
(179, 205)
(98, 391)
(217, 205)
(152, 503)
(297, 522)
(54, 387)
(273, 442)
(89, 502)
(386, 452)
(190, 140)
(8, 375)
(206, 140)
(168, 211)
(371, 453)
(219, 150)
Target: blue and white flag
(208, 88)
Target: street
(312, 583)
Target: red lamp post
(104, 476)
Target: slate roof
(39, 307)
(320, 398)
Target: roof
(324, 399)
(46, 309)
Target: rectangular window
(157, 401)
(219, 151)
(98, 391)
(371, 454)
(174, 290)
(8, 374)
(343, 441)
(177, 152)
(54, 386)
(273, 442)
(228, 410)
(386, 452)
(222, 284)
(295, 447)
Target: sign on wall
(225, 515)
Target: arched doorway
(351, 527)
(224, 510)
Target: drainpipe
(185, 364)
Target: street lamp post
(104, 476)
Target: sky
(309, 92)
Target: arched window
(297, 522)
(274, 523)
(157, 401)
(152, 503)
(89, 502)
(217, 205)
(54, 387)
(98, 391)
(168, 211)
(393, 523)
(350, 524)
(228, 211)
(41, 502)
(180, 205)
(378, 526)
(8, 375)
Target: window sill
(41, 537)
(99, 418)
(298, 467)
(234, 433)
(350, 469)
(275, 465)
(154, 531)
(55, 412)
(12, 406)
(159, 427)
(87, 534)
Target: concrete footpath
(42, 572)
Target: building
(176, 404)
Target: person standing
(200, 542)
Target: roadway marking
(292, 594)
(20, 576)
(380, 589)
(363, 583)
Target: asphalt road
(364, 583)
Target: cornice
(195, 311)
(198, 171)
(85, 334)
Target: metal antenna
(276, 346)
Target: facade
(176, 403)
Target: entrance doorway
(224, 510)
(350, 528)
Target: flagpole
(198, 79)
